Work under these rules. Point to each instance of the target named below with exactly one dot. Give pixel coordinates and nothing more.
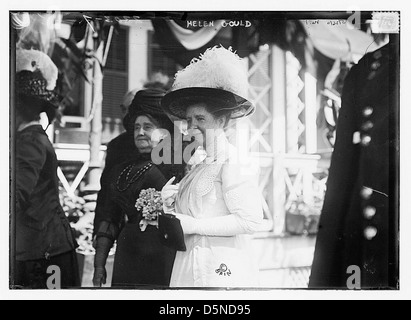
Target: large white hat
(219, 76)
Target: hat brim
(176, 102)
(39, 103)
(162, 119)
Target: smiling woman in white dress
(218, 202)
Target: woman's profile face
(143, 129)
(200, 120)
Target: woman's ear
(222, 121)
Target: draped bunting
(331, 38)
(334, 39)
(173, 48)
(192, 40)
(178, 40)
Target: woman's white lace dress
(223, 200)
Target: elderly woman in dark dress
(141, 260)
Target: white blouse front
(223, 202)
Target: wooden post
(310, 113)
(310, 92)
(106, 135)
(278, 98)
(96, 122)
(293, 88)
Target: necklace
(126, 174)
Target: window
(115, 81)
(157, 60)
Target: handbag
(171, 232)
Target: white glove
(224, 226)
(168, 195)
(188, 223)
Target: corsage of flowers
(149, 203)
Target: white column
(310, 113)
(137, 50)
(96, 125)
(310, 133)
(293, 88)
(278, 102)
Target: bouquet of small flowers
(149, 203)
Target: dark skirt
(58, 272)
(141, 261)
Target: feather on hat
(218, 76)
(34, 60)
(36, 77)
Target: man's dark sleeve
(104, 185)
(118, 150)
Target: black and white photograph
(179, 151)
